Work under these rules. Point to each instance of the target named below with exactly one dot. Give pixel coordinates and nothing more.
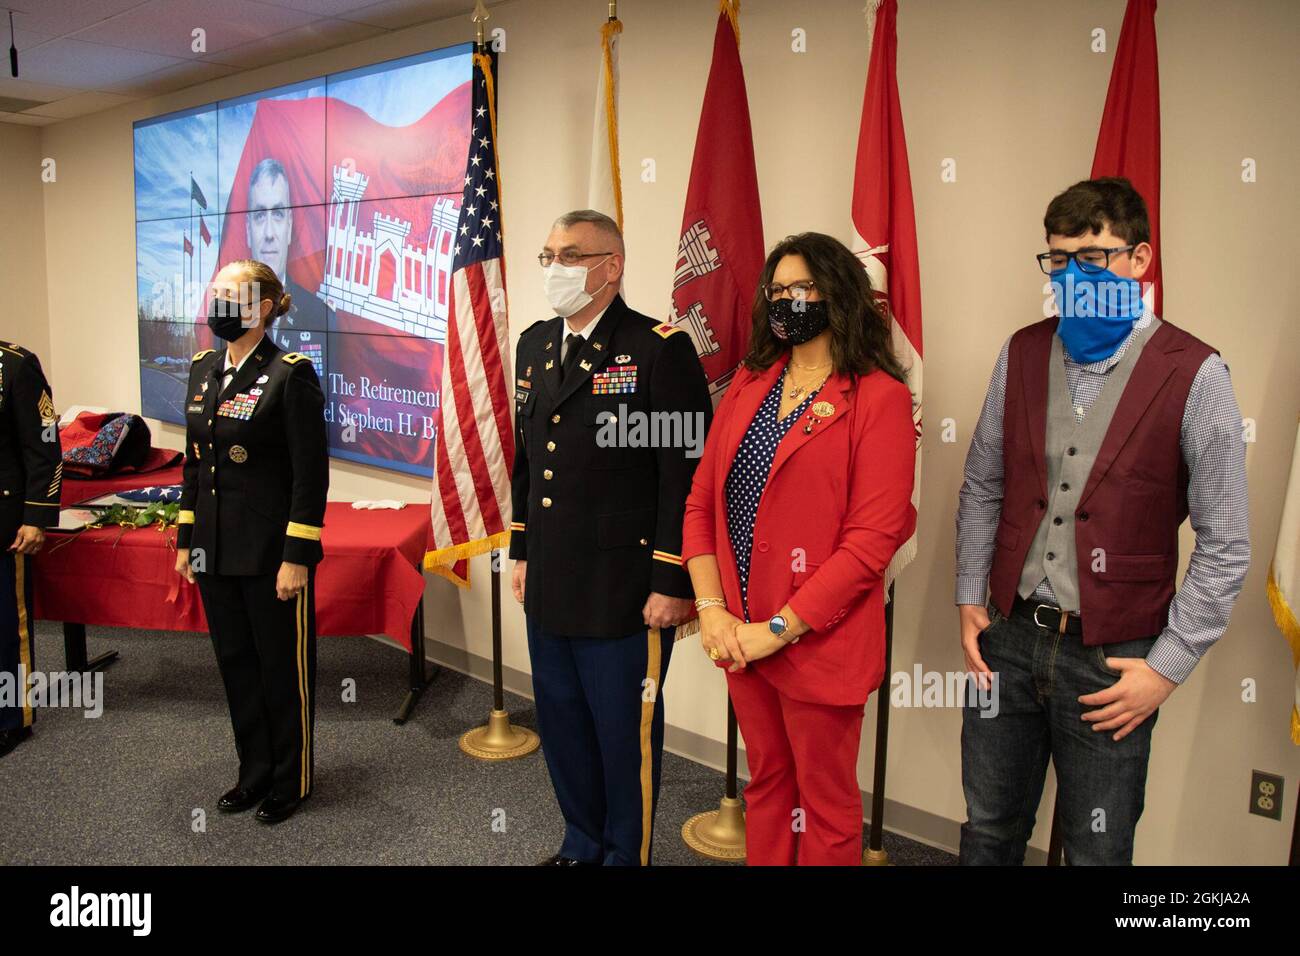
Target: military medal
(614, 380)
(238, 454)
(263, 379)
(622, 359)
(240, 407)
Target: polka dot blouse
(748, 476)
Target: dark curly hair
(860, 337)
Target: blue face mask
(1097, 309)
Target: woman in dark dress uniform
(256, 474)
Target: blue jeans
(1100, 782)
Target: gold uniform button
(213, 469)
(209, 422)
(548, 474)
(555, 419)
(644, 541)
(550, 446)
(546, 502)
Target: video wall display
(349, 187)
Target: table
(370, 581)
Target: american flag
(474, 448)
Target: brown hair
(268, 286)
(860, 338)
(1094, 204)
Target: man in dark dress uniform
(611, 409)
(31, 472)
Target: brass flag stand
(720, 834)
(498, 739)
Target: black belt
(1048, 616)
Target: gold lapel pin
(823, 409)
(597, 346)
(550, 365)
(586, 366)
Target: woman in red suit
(800, 500)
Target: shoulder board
(665, 329)
(293, 358)
(199, 355)
(532, 327)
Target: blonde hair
(268, 285)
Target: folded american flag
(152, 493)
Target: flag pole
(875, 853)
(498, 739)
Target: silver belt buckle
(1039, 608)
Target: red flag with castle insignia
(720, 252)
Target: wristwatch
(779, 627)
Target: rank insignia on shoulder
(293, 358)
(666, 329)
(199, 355)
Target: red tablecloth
(369, 582)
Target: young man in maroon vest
(1103, 428)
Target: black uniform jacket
(603, 465)
(31, 458)
(256, 463)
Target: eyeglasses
(799, 291)
(1090, 259)
(568, 257)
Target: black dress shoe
(559, 860)
(9, 739)
(237, 799)
(274, 809)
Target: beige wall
(25, 318)
(1011, 91)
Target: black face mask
(794, 323)
(225, 319)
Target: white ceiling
(82, 56)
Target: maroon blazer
(836, 507)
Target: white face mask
(566, 287)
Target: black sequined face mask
(795, 322)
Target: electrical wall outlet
(1266, 791)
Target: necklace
(808, 368)
(797, 390)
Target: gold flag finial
(479, 17)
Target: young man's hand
(974, 620)
(1130, 700)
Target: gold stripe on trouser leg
(300, 617)
(24, 635)
(647, 751)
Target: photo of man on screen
(269, 229)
